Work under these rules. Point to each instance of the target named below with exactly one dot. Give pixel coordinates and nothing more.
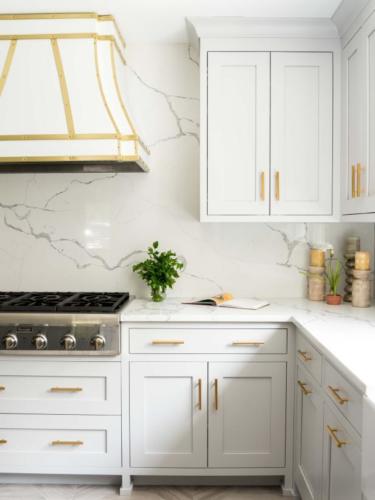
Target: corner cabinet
(270, 128)
(358, 196)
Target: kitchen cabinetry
(269, 123)
(358, 196)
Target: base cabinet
(245, 404)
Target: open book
(227, 300)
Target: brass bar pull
(303, 385)
(66, 389)
(2, 387)
(168, 342)
(335, 393)
(3, 441)
(333, 433)
(262, 190)
(305, 355)
(67, 443)
(359, 174)
(199, 394)
(247, 343)
(216, 387)
(354, 191)
(277, 186)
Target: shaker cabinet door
(301, 133)
(238, 133)
(168, 414)
(247, 414)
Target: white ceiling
(163, 21)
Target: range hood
(61, 102)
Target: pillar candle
(352, 245)
(317, 257)
(362, 261)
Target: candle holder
(316, 283)
(349, 268)
(361, 296)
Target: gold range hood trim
(69, 163)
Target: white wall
(83, 232)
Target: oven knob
(69, 342)
(10, 341)
(98, 342)
(40, 342)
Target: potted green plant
(160, 271)
(332, 273)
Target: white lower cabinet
(246, 405)
(309, 437)
(246, 422)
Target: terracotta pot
(334, 300)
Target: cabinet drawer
(60, 387)
(310, 358)
(55, 440)
(208, 340)
(345, 397)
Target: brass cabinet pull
(277, 186)
(66, 389)
(335, 393)
(359, 173)
(199, 394)
(262, 190)
(216, 387)
(354, 192)
(3, 441)
(332, 431)
(2, 387)
(168, 342)
(66, 443)
(303, 386)
(305, 355)
(247, 343)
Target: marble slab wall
(84, 232)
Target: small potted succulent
(160, 271)
(332, 273)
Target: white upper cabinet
(358, 193)
(301, 133)
(238, 133)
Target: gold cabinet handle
(277, 186)
(168, 342)
(335, 393)
(2, 387)
(216, 388)
(247, 343)
(332, 431)
(262, 189)
(303, 386)
(359, 174)
(66, 389)
(199, 394)
(3, 441)
(305, 355)
(66, 443)
(354, 191)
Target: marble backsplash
(84, 231)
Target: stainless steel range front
(77, 324)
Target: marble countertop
(344, 334)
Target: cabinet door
(247, 414)
(301, 133)
(342, 460)
(309, 437)
(354, 123)
(238, 133)
(168, 414)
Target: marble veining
(85, 231)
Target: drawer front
(345, 397)
(60, 388)
(310, 358)
(205, 340)
(55, 440)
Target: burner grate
(94, 302)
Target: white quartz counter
(344, 334)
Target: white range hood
(61, 102)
